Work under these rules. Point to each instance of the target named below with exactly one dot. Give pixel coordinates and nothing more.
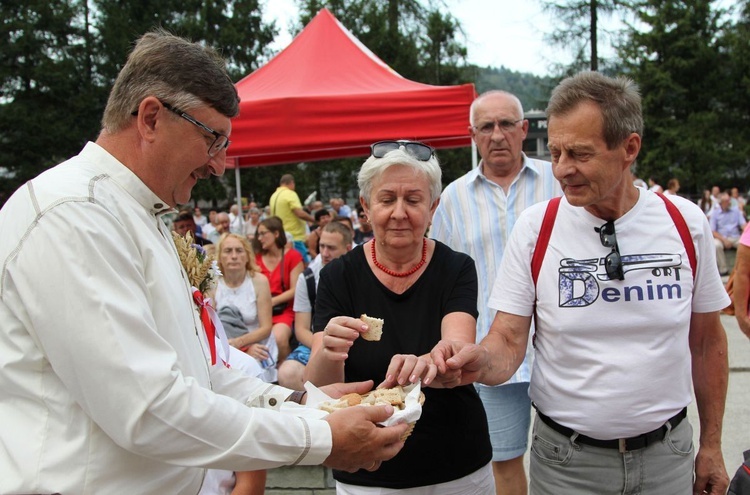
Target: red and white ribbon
(212, 326)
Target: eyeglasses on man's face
(487, 128)
(220, 142)
(420, 151)
(613, 261)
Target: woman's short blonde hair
(250, 266)
(373, 168)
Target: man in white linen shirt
(105, 384)
(476, 215)
(625, 315)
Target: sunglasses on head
(613, 261)
(420, 151)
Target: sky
(498, 32)
(507, 33)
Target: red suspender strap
(682, 229)
(543, 240)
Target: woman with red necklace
(425, 292)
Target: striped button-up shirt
(475, 216)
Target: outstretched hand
(405, 369)
(458, 363)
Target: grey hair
(494, 92)
(618, 99)
(373, 168)
(183, 74)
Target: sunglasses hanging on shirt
(613, 261)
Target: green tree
(533, 91)
(60, 57)
(235, 28)
(735, 112)
(577, 27)
(46, 86)
(670, 59)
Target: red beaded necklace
(403, 274)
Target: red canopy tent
(327, 96)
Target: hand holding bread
(341, 332)
(358, 442)
(407, 403)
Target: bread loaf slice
(375, 328)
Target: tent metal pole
(474, 162)
(239, 193)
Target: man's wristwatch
(297, 396)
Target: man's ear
(632, 147)
(148, 117)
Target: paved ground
(736, 437)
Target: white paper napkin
(409, 414)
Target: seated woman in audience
(243, 301)
(281, 264)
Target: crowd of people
(525, 284)
(726, 213)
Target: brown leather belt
(621, 444)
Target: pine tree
(674, 61)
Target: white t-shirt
(612, 357)
(207, 229)
(200, 221)
(301, 297)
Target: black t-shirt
(362, 237)
(450, 439)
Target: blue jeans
(508, 409)
(561, 466)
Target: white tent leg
(239, 196)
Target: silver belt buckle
(623, 446)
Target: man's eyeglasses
(420, 151)
(613, 261)
(489, 127)
(221, 142)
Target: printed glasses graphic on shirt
(579, 280)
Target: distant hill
(533, 91)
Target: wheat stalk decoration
(201, 267)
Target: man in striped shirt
(476, 214)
